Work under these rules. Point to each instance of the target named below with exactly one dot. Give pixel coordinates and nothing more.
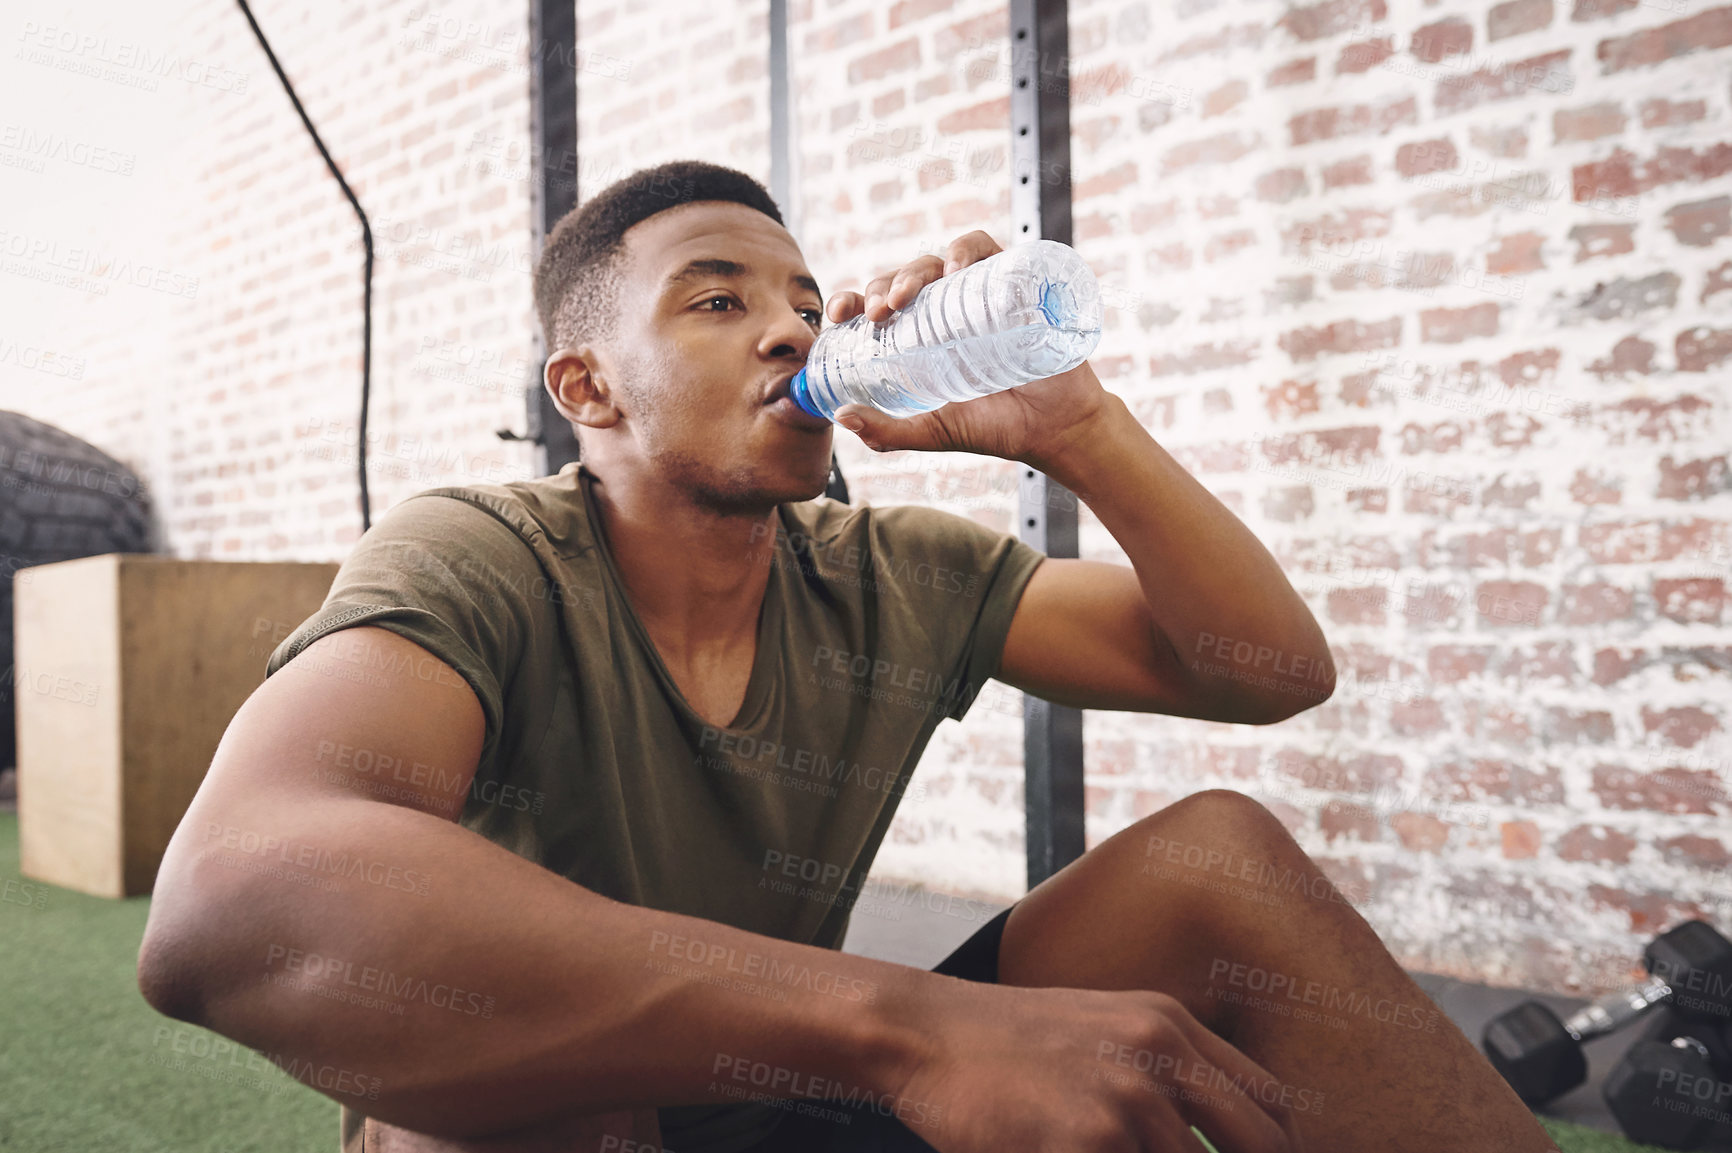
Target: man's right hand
(1085, 1071)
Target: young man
(544, 831)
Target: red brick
(1521, 840)
(1292, 72)
(1629, 296)
(1683, 727)
(1225, 244)
(1168, 258)
(1693, 479)
(1204, 358)
(1702, 222)
(1145, 217)
(1220, 149)
(1416, 718)
(1353, 170)
(1344, 819)
(1422, 156)
(896, 57)
(1717, 281)
(1630, 355)
(1505, 604)
(993, 113)
(1516, 254)
(1330, 17)
(1516, 17)
(1305, 344)
(1489, 779)
(1450, 37)
(1595, 488)
(1621, 175)
(1333, 231)
(1612, 665)
(1585, 10)
(1700, 349)
(842, 34)
(1602, 240)
(1510, 143)
(1454, 325)
(908, 11)
(1694, 851)
(1544, 73)
(1290, 399)
(1352, 120)
(1664, 790)
(1420, 832)
(1596, 843)
(1691, 601)
(1225, 98)
(1702, 32)
(1345, 445)
(1217, 43)
(1108, 182)
(1367, 499)
(1281, 185)
(1365, 55)
(1662, 113)
(1588, 123)
(1594, 604)
(991, 29)
(1505, 492)
(1645, 541)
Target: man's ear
(578, 392)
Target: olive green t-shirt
(877, 623)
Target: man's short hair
(577, 280)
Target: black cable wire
(366, 243)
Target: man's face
(716, 308)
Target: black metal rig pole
(1040, 205)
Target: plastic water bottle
(1027, 313)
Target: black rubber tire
(60, 499)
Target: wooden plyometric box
(127, 669)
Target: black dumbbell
(1540, 1055)
(1696, 961)
(1673, 1087)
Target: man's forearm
(1212, 588)
(507, 996)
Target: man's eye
(817, 315)
(712, 299)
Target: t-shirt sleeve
(448, 575)
(963, 580)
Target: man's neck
(694, 575)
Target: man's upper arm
(313, 731)
(455, 581)
(1083, 636)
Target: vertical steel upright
(553, 193)
(1040, 205)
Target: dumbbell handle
(1615, 1010)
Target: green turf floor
(87, 1067)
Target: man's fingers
(846, 306)
(968, 248)
(1257, 1110)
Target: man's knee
(1219, 815)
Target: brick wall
(1436, 297)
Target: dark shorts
(831, 1127)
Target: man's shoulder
(541, 509)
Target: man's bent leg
(1212, 902)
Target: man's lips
(782, 388)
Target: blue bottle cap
(803, 398)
